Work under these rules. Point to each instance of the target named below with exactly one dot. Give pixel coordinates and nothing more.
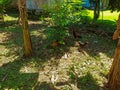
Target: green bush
(4, 4)
(56, 34)
(63, 15)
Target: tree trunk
(114, 74)
(1, 18)
(24, 24)
(96, 11)
(2, 14)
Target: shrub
(63, 15)
(4, 4)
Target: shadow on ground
(11, 75)
(99, 37)
(12, 78)
(87, 82)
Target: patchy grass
(65, 67)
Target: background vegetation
(80, 63)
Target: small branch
(3, 79)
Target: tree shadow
(107, 25)
(11, 23)
(50, 86)
(87, 82)
(43, 48)
(99, 38)
(14, 43)
(11, 74)
(12, 77)
(12, 13)
(11, 39)
(44, 86)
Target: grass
(85, 68)
(107, 22)
(107, 15)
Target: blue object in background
(86, 3)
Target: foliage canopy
(3, 4)
(114, 5)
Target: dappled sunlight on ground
(4, 57)
(65, 67)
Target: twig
(3, 79)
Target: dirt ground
(65, 67)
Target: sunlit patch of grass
(9, 18)
(107, 15)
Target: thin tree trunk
(1, 18)
(2, 15)
(24, 23)
(96, 11)
(114, 73)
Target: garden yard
(78, 64)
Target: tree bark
(24, 24)
(114, 73)
(96, 11)
(2, 14)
